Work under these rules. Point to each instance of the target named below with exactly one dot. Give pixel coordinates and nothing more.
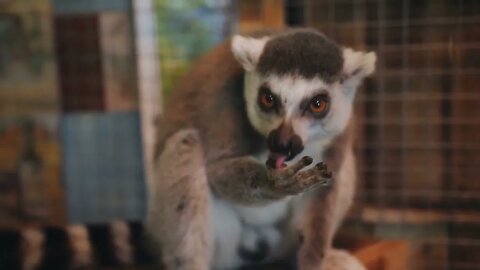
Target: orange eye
(266, 99)
(319, 105)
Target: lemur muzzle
(283, 144)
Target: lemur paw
(291, 180)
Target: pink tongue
(279, 161)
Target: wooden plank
(258, 15)
(149, 83)
(417, 216)
(118, 64)
(273, 15)
(79, 62)
(385, 255)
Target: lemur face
(293, 112)
(299, 88)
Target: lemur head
(299, 88)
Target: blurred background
(81, 83)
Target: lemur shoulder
(233, 188)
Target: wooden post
(258, 15)
(385, 255)
(149, 85)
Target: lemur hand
(291, 181)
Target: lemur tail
(74, 246)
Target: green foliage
(184, 33)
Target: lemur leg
(244, 180)
(316, 231)
(324, 216)
(179, 219)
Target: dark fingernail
(327, 175)
(307, 160)
(320, 166)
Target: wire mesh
(417, 123)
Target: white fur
(248, 50)
(272, 235)
(82, 250)
(262, 122)
(32, 248)
(227, 230)
(356, 66)
(346, 179)
(249, 238)
(262, 215)
(233, 228)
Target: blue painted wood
(103, 166)
(89, 6)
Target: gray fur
(182, 196)
(218, 120)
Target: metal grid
(417, 123)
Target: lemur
(233, 184)
(234, 187)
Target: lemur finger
(317, 175)
(299, 177)
(323, 169)
(307, 184)
(325, 182)
(284, 177)
(321, 166)
(302, 163)
(317, 182)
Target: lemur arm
(245, 181)
(241, 180)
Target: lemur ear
(247, 50)
(356, 66)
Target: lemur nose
(283, 140)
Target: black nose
(284, 141)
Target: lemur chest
(244, 235)
(268, 215)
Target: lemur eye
(266, 99)
(319, 105)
